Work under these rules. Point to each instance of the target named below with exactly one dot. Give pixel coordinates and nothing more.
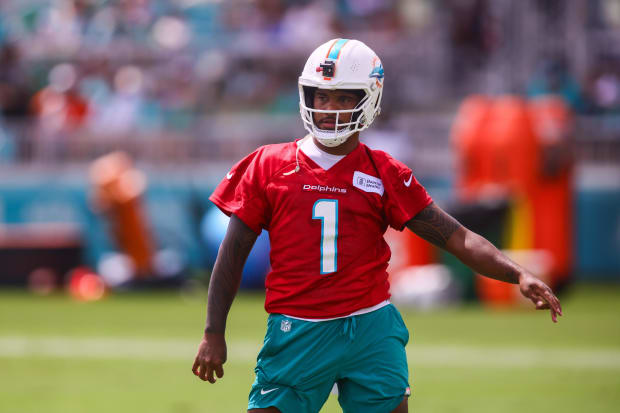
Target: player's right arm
(223, 286)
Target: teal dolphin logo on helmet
(377, 72)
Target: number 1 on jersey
(327, 211)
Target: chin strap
(297, 168)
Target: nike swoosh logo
(263, 391)
(407, 183)
(229, 175)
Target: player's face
(333, 100)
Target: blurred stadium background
(117, 119)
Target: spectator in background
(14, 97)
(603, 85)
(257, 24)
(303, 17)
(473, 36)
(370, 15)
(59, 106)
(554, 77)
(120, 113)
(59, 109)
(177, 95)
(14, 90)
(134, 17)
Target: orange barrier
(118, 188)
(470, 141)
(519, 149)
(552, 199)
(513, 147)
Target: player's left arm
(440, 228)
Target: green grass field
(133, 353)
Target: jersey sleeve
(405, 196)
(242, 192)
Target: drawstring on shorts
(348, 327)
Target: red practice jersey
(328, 255)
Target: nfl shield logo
(285, 326)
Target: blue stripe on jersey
(335, 51)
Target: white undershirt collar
(320, 157)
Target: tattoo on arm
(226, 276)
(434, 225)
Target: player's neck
(343, 149)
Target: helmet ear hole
(361, 94)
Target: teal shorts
(301, 360)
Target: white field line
(240, 351)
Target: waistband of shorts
(358, 312)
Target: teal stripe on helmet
(333, 54)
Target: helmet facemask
(342, 130)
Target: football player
(327, 200)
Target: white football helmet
(341, 64)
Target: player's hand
(210, 358)
(541, 295)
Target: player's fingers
(210, 377)
(195, 366)
(219, 371)
(544, 299)
(550, 304)
(202, 372)
(554, 302)
(554, 315)
(555, 306)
